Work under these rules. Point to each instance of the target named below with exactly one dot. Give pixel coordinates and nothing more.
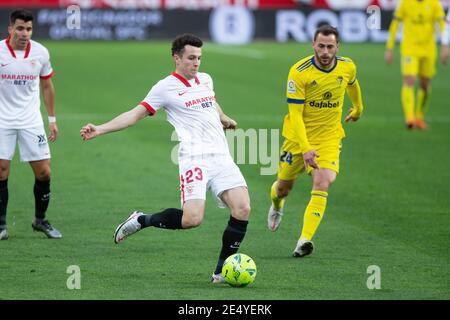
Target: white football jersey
(20, 73)
(190, 108)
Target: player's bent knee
(242, 212)
(283, 191)
(409, 81)
(192, 224)
(322, 186)
(191, 221)
(193, 213)
(44, 174)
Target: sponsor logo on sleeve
(291, 86)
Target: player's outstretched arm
(354, 92)
(122, 121)
(226, 121)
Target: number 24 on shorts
(286, 157)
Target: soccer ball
(239, 270)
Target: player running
(312, 130)
(418, 54)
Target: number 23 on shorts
(192, 175)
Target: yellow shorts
(423, 66)
(291, 165)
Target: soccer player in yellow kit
(313, 131)
(418, 53)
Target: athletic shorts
(217, 173)
(423, 66)
(33, 144)
(291, 165)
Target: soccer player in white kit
(24, 69)
(445, 39)
(188, 98)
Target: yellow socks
(313, 214)
(408, 103)
(277, 203)
(422, 105)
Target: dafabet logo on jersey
(327, 95)
(324, 104)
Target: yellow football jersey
(322, 92)
(419, 18)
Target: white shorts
(33, 144)
(217, 173)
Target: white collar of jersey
(184, 80)
(11, 50)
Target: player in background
(445, 39)
(418, 54)
(188, 98)
(24, 69)
(312, 130)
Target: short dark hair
(185, 39)
(21, 14)
(326, 30)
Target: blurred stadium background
(389, 207)
(224, 21)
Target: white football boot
(274, 218)
(4, 233)
(304, 247)
(128, 227)
(217, 278)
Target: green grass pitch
(389, 206)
